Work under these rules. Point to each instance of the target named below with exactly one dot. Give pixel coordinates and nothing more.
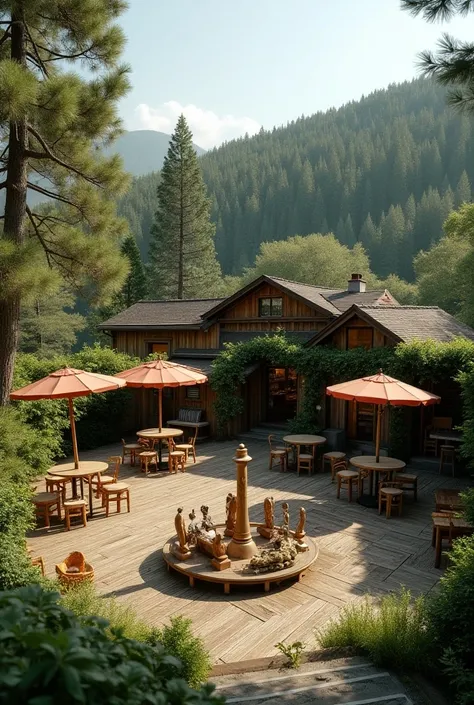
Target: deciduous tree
(52, 122)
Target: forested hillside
(385, 171)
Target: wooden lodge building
(193, 332)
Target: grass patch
(391, 632)
(177, 637)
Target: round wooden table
(154, 434)
(369, 463)
(305, 439)
(86, 471)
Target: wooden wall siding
(136, 342)
(248, 306)
(339, 337)
(339, 410)
(266, 324)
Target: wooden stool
(176, 460)
(148, 457)
(447, 456)
(130, 449)
(75, 508)
(46, 503)
(304, 461)
(333, 457)
(391, 496)
(278, 454)
(115, 493)
(346, 478)
(57, 485)
(409, 483)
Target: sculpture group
(202, 535)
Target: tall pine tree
(52, 123)
(182, 261)
(134, 287)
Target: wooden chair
(189, 447)
(130, 449)
(75, 508)
(346, 479)
(37, 561)
(101, 480)
(333, 457)
(304, 461)
(58, 485)
(115, 492)
(447, 456)
(430, 445)
(176, 458)
(46, 504)
(147, 458)
(74, 569)
(408, 482)
(390, 494)
(277, 454)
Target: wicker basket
(76, 559)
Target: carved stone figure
(266, 530)
(300, 532)
(219, 549)
(206, 522)
(192, 529)
(269, 509)
(181, 549)
(286, 515)
(231, 511)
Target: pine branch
(45, 243)
(48, 154)
(38, 60)
(38, 234)
(433, 10)
(49, 194)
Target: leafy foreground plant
(176, 638)
(393, 633)
(48, 656)
(292, 652)
(451, 615)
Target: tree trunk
(181, 233)
(14, 222)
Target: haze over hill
(384, 171)
(143, 151)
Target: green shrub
(84, 600)
(179, 641)
(392, 633)
(177, 637)
(25, 452)
(451, 615)
(48, 656)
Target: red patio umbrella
(67, 384)
(159, 374)
(381, 390)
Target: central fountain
(258, 553)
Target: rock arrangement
(280, 554)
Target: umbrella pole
(160, 408)
(73, 432)
(377, 433)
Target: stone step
(340, 682)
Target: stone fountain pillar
(242, 546)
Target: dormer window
(270, 306)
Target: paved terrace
(360, 551)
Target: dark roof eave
(354, 310)
(150, 326)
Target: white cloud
(209, 129)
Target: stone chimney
(356, 285)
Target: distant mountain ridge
(143, 151)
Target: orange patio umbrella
(159, 374)
(381, 390)
(67, 384)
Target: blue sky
(234, 65)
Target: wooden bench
(191, 418)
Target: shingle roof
(161, 314)
(418, 322)
(336, 301)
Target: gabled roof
(161, 314)
(402, 323)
